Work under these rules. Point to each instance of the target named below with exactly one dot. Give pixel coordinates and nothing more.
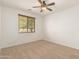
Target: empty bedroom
(39, 29)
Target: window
(26, 24)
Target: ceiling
(28, 4)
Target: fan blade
(44, 2)
(53, 3)
(41, 10)
(36, 6)
(40, 1)
(49, 9)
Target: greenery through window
(26, 24)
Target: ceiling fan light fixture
(44, 8)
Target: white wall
(11, 36)
(63, 27)
(0, 24)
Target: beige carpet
(39, 50)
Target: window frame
(28, 17)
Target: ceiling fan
(44, 5)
